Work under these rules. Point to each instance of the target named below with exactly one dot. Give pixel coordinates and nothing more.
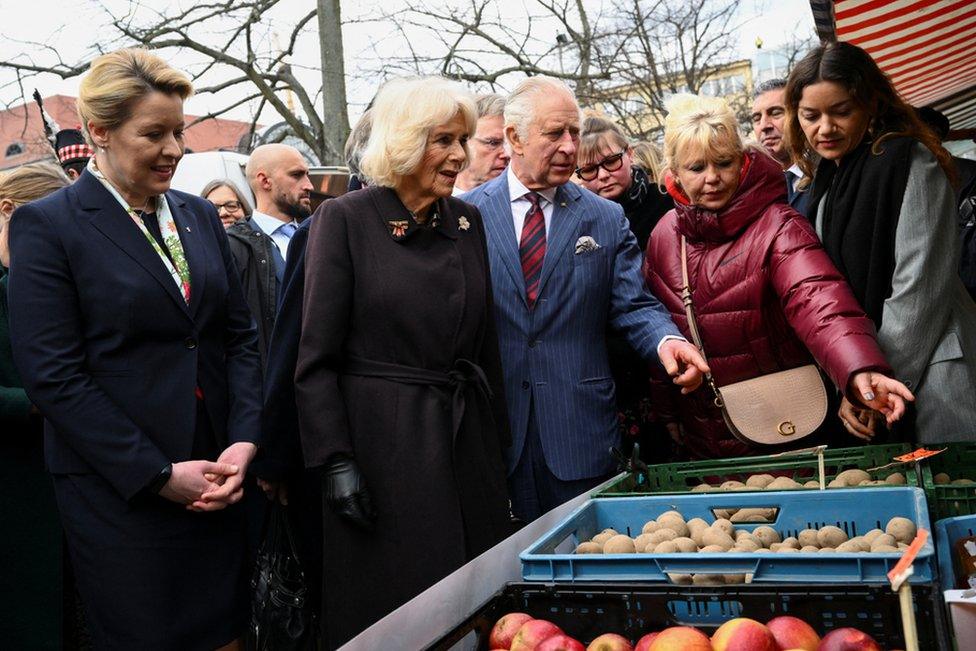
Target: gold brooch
(463, 223)
(398, 228)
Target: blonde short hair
(403, 114)
(695, 124)
(118, 80)
(647, 156)
(31, 182)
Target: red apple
(681, 638)
(743, 634)
(793, 633)
(505, 629)
(561, 642)
(644, 643)
(532, 632)
(848, 639)
(610, 642)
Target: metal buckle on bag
(786, 428)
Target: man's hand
(684, 362)
(229, 488)
(190, 479)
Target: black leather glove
(344, 488)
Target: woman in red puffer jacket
(766, 295)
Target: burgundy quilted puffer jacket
(766, 296)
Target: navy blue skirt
(151, 574)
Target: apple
(532, 632)
(848, 639)
(793, 633)
(644, 643)
(681, 638)
(743, 634)
(610, 642)
(505, 629)
(561, 642)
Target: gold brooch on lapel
(463, 223)
(398, 228)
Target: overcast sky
(74, 27)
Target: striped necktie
(532, 247)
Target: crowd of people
(511, 288)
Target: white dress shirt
(271, 226)
(521, 204)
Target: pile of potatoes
(669, 533)
(943, 479)
(845, 479)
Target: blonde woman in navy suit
(132, 337)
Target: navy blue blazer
(554, 357)
(108, 349)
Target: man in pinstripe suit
(564, 268)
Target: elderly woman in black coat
(398, 381)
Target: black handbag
(280, 617)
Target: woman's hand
(861, 423)
(191, 479)
(881, 393)
(228, 489)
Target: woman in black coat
(131, 334)
(398, 380)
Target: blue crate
(551, 559)
(947, 532)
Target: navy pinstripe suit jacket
(554, 356)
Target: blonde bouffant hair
(117, 80)
(404, 113)
(697, 125)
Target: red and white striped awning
(927, 47)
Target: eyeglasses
(229, 206)
(490, 143)
(610, 164)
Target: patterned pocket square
(586, 244)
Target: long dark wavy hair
(854, 69)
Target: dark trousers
(533, 488)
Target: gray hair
(520, 105)
(490, 105)
(356, 144)
(768, 85)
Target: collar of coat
(400, 223)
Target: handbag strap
(693, 322)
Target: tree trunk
(335, 118)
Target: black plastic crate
(585, 612)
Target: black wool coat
(381, 287)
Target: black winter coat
(251, 248)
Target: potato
(722, 514)
(862, 544)
(685, 545)
(829, 550)
(604, 536)
(716, 536)
(675, 524)
(642, 541)
(680, 579)
(884, 540)
(753, 515)
(696, 527)
(670, 514)
(661, 535)
(746, 545)
(694, 523)
(808, 537)
(831, 536)
(942, 478)
(962, 482)
(853, 477)
(807, 549)
(871, 535)
(650, 527)
(700, 488)
(782, 483)
(813, 483)
(775, 547)
(708, 579)
(729, 485)
(742, 488)
(714, 549)
(837, 483)
(902, 546)
(745, 535)
(589, 548)
(725, 525)
(666, 547)
(767, 535)
(902, 529)
(849, 547)
(884, 549)
(732, 579)
(759, 481)
(866, 482)
(791, 542)
(619, 544)
(783, 549)
(896, 478)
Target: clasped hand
(210, 485)
(881, 396)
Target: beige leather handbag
(774, 409)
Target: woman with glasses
(231, 205)
(607, 167)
